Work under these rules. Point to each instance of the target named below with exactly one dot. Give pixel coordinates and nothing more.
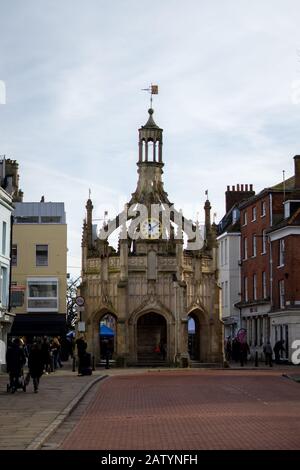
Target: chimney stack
(238, 194)
(297, 171)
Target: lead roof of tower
(150, 123)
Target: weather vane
(153, 90)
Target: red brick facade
(287, 273)
(254, 232)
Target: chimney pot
(233, 188)
(242, 187)
(246, 187)
(251, 187)
(228, 188)
(237, 187)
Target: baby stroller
(16, 382)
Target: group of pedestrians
(236, 350)
(42, 356)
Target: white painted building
(6, 317)
(229, 273)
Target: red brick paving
(191, 411)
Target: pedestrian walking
(278, 348)
(45, 352)
(106, 352)
(244, 351)
(15, 361)
(35, 364)
(268, 351)
(81, 349)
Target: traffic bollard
(256, 359)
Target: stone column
(249, 335)
(121, 338)
(95, 334)
(254, 339)
(258, 331)
(265, 339)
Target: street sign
(80, 301)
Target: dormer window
(235, 216)
(290, 208)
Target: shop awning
(39, 324)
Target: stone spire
(207, 209)
(89, 225)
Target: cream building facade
(39, 268)
(152, 286)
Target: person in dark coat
(244, 351)
(45, 351)
(268, 351)
(278, 348)
(15, 361)
(81, 350)
(35, 365)
(106, 352)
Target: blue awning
(105, 331)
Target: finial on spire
(153, 90)
(90, 192)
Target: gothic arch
(93, 330)
(151, 305)
(199, 344)
(148, 307)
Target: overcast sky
(228, 75)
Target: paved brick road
(191, 410)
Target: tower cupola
(150, 141)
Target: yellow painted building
(39, 269)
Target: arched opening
(198, 336)
(107, 335)
(193, 337)
(151, 338)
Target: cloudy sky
(229, 98)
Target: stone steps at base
(204, 365)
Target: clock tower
(159, 298)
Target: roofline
(263, 193)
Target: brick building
(285, 268)
(270, 251)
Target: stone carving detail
(138, 261)
(114, 262)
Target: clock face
(150, 228)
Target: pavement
(155, 409)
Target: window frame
(14, 246)
(36, 255)
(281, 291)
(42, 280)
(281, 253)
(254, 245)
